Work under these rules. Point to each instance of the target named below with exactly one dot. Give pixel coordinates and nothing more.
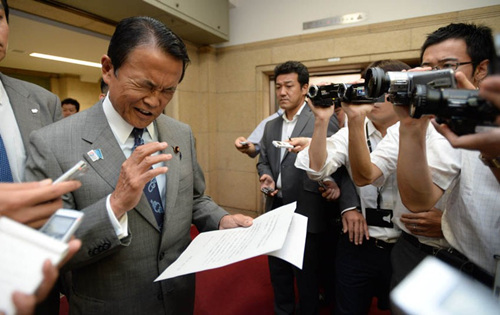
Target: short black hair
(104, 87)
(387, 65)
(478, 38)
(71, 101)
(293, 67)
(133, 32)
(5, 7)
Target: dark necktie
(151, 189)
(5, 173)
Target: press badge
(379, 217)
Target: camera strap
(379, 189)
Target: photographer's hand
(321, 112)
(490, 90)
(427, 223)
(463, 82)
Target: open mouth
(143, 112)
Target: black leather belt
(454, 258)
(379, 243)
(431, 250)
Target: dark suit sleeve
(206, 213)
(264, 166)
(348, 195)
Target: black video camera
(334, 94)
(461, 110)
(400, 85)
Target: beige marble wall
(242, 86)
(86, 93)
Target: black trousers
(308, 279)
(409, 252)
(362, 272)
(284, 274)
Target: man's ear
(106, 68)
(481, 71)
(305, 89)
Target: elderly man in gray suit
(24, 107)
(129, 235)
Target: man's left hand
(235, 220)
(426, 223)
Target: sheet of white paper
(23, 251)
(223, 247)
(295, 242)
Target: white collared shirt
(122, 131)
(11, 136)
(286, 133)
(444, 163)
(338, 155)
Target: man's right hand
(135, 173)
(248, 148)
(34, 202)
(354, 223)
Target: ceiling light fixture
(69, 60)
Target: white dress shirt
(286, 133)
(337, 150)
(443, 160)
(471, 220)
(122, 131)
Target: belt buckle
(381, 245)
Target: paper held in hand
(23, 252)
(280, 233)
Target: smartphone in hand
(76, 171)
(62, 224)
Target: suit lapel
(302, 120)
(26, 111)
(98, 135)
(170, 135)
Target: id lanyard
(379, 189)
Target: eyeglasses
(447, 64)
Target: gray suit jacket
(33, 106)
(112, 275)
(296, 186)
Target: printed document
(279, 232)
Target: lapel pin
(34, 110)
(95, 155)
(177, 150)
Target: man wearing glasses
(470, 221)
(467, 49)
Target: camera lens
(426, 101)
(376, 84)
(313, 91)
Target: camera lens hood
(374, 82)
(313, 91)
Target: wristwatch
(491, 162)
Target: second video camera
(400, 85)
(461, 110)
